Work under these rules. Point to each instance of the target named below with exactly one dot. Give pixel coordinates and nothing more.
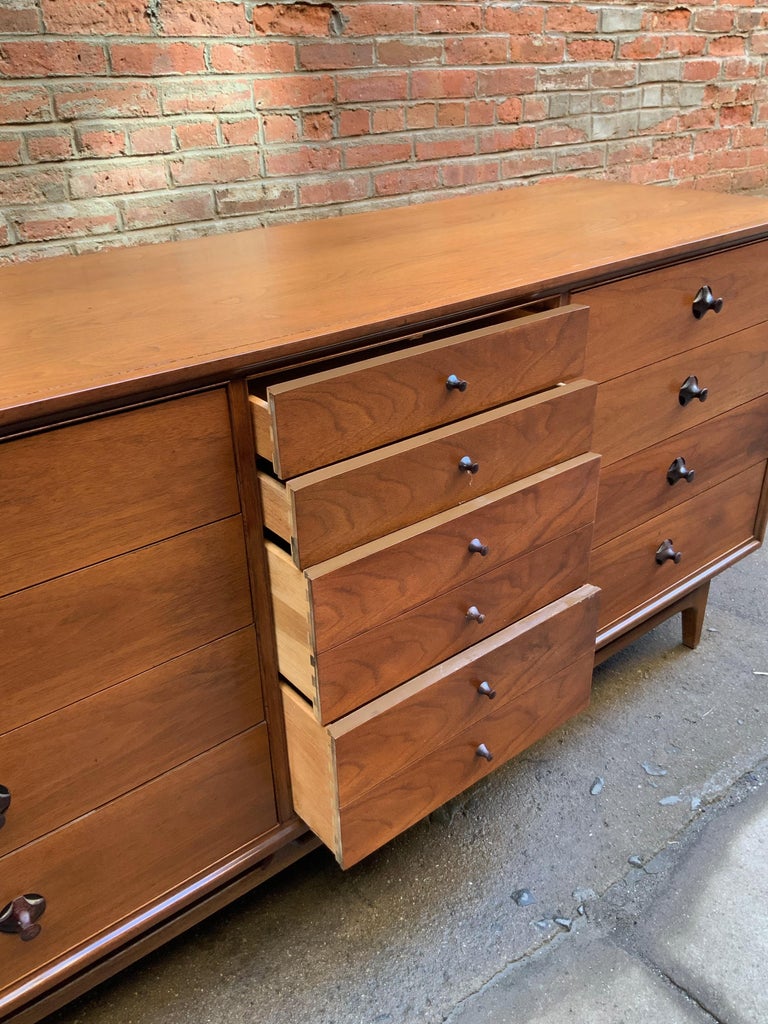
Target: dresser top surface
(83, 329)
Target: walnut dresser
(305, 530)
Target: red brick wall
(129, 121)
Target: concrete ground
(650, 887)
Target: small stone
(564, 922)
(667, 801)
(581, 910)
(597, 786)
(635, 861)
(695, 803)
(653, 769)
(523, 897)
(584, 895)
(544, 923)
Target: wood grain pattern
(636, 411)
(78, 634)
(87, 492)
(713, 522)
(636, 488)
(291, 612)
(104, 866)
(344, 506)
(405, 798)
(369, 585)
(310, 756)
(641, 319)
(70, 762)
(381, 658)
(341, 412)
(166, 314)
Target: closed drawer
(700, 530)
(636, 411)
(87, 492)
(344, 506)
(649, 483)
(112, 863)
(119, 618)
(77, 759)
(637, 321)
(324, 417)
(371, 775)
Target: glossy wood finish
(715, 449)
(635, 412)
(119, 618)
(105, 865)
(344, 506)
(639, 320)
(708, 525)
(87, 492)
(70, 762)
(333, 415)
(78, 330)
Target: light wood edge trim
(293, 620)
(761, 519)
(313, 770)
(276, 507)
(262, 426)
(423, 682)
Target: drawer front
(637, 321)
(378, 741)
(378, 660)
(701, 529)
(338, 413)
(407, 797)
(639, 487)
(87, 492)
(119, 618)
(634, 412)
(68, 763)
(344, 506)
(366, 587)
(107, 865)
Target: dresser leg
(693, 615)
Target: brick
(147, 140)
(244, 131)
(388, 119)
(24, 104)
(476, 50)
(20, 17)
(709, 140)
(195, 134)
(40, 185)
(65, 220)
(117, 178)
(303, 160)
(422, 115)
(443, 149)
(294, 91)
(171, 208)
(571, 18)
(591, 49)
(579, 158)
(5, 232)
(374, 86)
(406, 179)
(397, 53)
(737, 67)
(317, 126)
(293, 19)
(701, 70)
(251, 58)
(203, 18)
(100, 141)
(629, 152)
(51, 58)
(457, 173)
(376, 19)
(335, 190)
(679, 145)
(510, 111)
(105, 99)
(684, 45)
(559, 135)
(354, 122)
(536, 49)
(96, 18)
(253, 198)
(10, 150)
(677, 19)
(621, 19)
(452, 115)
(712, 19)
(506, 81)
(726, 46)
(612, 78)
(50, 145)
(515, 20)
(644, 47)
(501, 139)
(371, 154)
(431, 83)
(481, 112)
(325, 56)
(449, 18)
(522, 165)
(535, 109)
(215, 168)
(735, 115)
(206, 95)
(659, 71)
(156, 58)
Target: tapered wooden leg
(693, 615)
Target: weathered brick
(713, 19)
(676, 19)
(591, 49)
(621, 19)
(65, 220)
(21, 186)
(421, 115)
(481, 112)
(684, 45)
(726, 46)
(443, 148)
(506, 81)
(214, 168)
(293, 19)
(375, 19)
(578, 158)
(453, 114)
(172, 208)
(536, 49)
(51, 58)
(24, 104)
(325, 56)
(500, 139)
(96, 18)
(428, 83)
(400, 53)
(294, 91)
(571, 18)
(253, 197)
(10, 149)
(100, 141)
(335, 190)
(157, 58)
(510, 111)
(559, 135)
(19, 17)
(644, 47)
(200, 95)
(516, 19)
(251, 58)
(406, 179)
(457, 173)
(117, 178)
(476, 50)
(701, 70)
(50, 145)
(373, 86)
(354, 122)
(388, 119)
(372, 154)
(105, 99)
(241, 131)
(203, 18)
(437, 18)
(523, 165)
(147, 140)
(302, 160)
(195, 134)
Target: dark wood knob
(476, 547)
(690, 389)
(454, 383)
(475, 614)
(487, 690)
(704, 300)
(665, 552)
(5, 803)
(483, 751)
(466, 465)
(19, 917)
(679, 471)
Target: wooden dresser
(317, 525)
